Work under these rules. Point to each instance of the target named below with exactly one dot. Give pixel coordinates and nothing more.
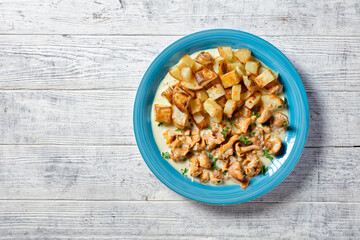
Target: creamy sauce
(157, 131)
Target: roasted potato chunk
(202, 95)
(167, 94)
(230, 79)
(245, 95)
(186, 74)
(201, 120)
(271, 101)
(236, 92)
(216, 91)
(181, 100)
(273, 87)
(243, 55)
(249, 84)
(196, 105)
(252, 67)
(220, 66)
(253, 100)
(232, 65)
(217, 119)
(179, 118)
(204, 58)
(229, 108)
(226, 53)
(163, 113)
(221, 101)
(212, 108)
(265, 78)
(192, 85)
(205, 76)
(187, 61)
(175, 73)
(228, 93)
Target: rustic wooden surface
(69, 164)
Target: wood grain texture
(98, 62)
(178, 220)
(105, 118)
(283, 17)
(119, 173)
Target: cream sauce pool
(157, 131)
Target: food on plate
(220, 116)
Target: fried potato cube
(202, 95)
(204, 58)
(221, 101)
(179, 118)
(187, 61)
(236, 92)
(216, 91)
(271, 101)
(240, 70)
(228, 93)
(163, 113)
(264, 78)
(253, 100)
(245, 95)
(196, 105)
(192, 84)
(181, 100)
(186, 74)
(273, 87)
(175, 73)
(198, 67)
(230, 79)
(213, 83)
(220, 66)
(249, 84)
(217, 119)
(232, 65)
(229, 108)
(226, 53)
(252, 67)
(212, 108)
(201, 120)
(243, 55)
(205, 76)
(167, 94)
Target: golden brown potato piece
(204, 58)
(217, 119)
(212, 108)
(232, 65)
(249, 84)
(192, 84)
(205, 76)
(253, 100)
(236, 92)
(181, 100)
(265, 78)
(175, 73)
(202, 95)
(201, 120)
(187, 61)
(221, 101)
(230, 79)
(186, 74)
(243, 55)
(226, 53)
(230, 107)
(167, 94)
(219, 66)
(228, 93)
(196, 105)
(179, 118)
(273, 87)
(252, 67)
(271, 101)
(216, 91)
(162, 113)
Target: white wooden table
(69, 164)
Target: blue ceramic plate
(297, 106)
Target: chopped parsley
(252, 134)
(165, 155)
(209, 128)
(285, 103)
(178, 129)
(285, 124)
(264, 170)
(184, 171)
(184, 159)
(257, 115)
(224, 172)
(210, 156)
(160, 124)
(224, 132)
(268, 155)
(245, 140)
(231, 121)
(213, 164)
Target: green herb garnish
(230, 121)
(184, 171)
(268, 155)
(264, 170)
(252, 134)
(285, 124)
(225, 172)
(245, 140)
(209, 128)
(184, 159)
(210, 156)
(165, 155)
(285, 103)
(224, 132)
(178, 129)
(160, 124)
(213, 164)
(257, 115)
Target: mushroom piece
(273, 144)
(236, 171)
(195, 167)
(204, 160)
(252, 165)
(227, 150)
(216, 176)
(265, 115)
(280, 121)
(204, 176)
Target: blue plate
(297, 105)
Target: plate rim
(298, 150)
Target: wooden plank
(105, 117)
(180, 17)
(98, 62)
(178, 220)
(119, 173)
